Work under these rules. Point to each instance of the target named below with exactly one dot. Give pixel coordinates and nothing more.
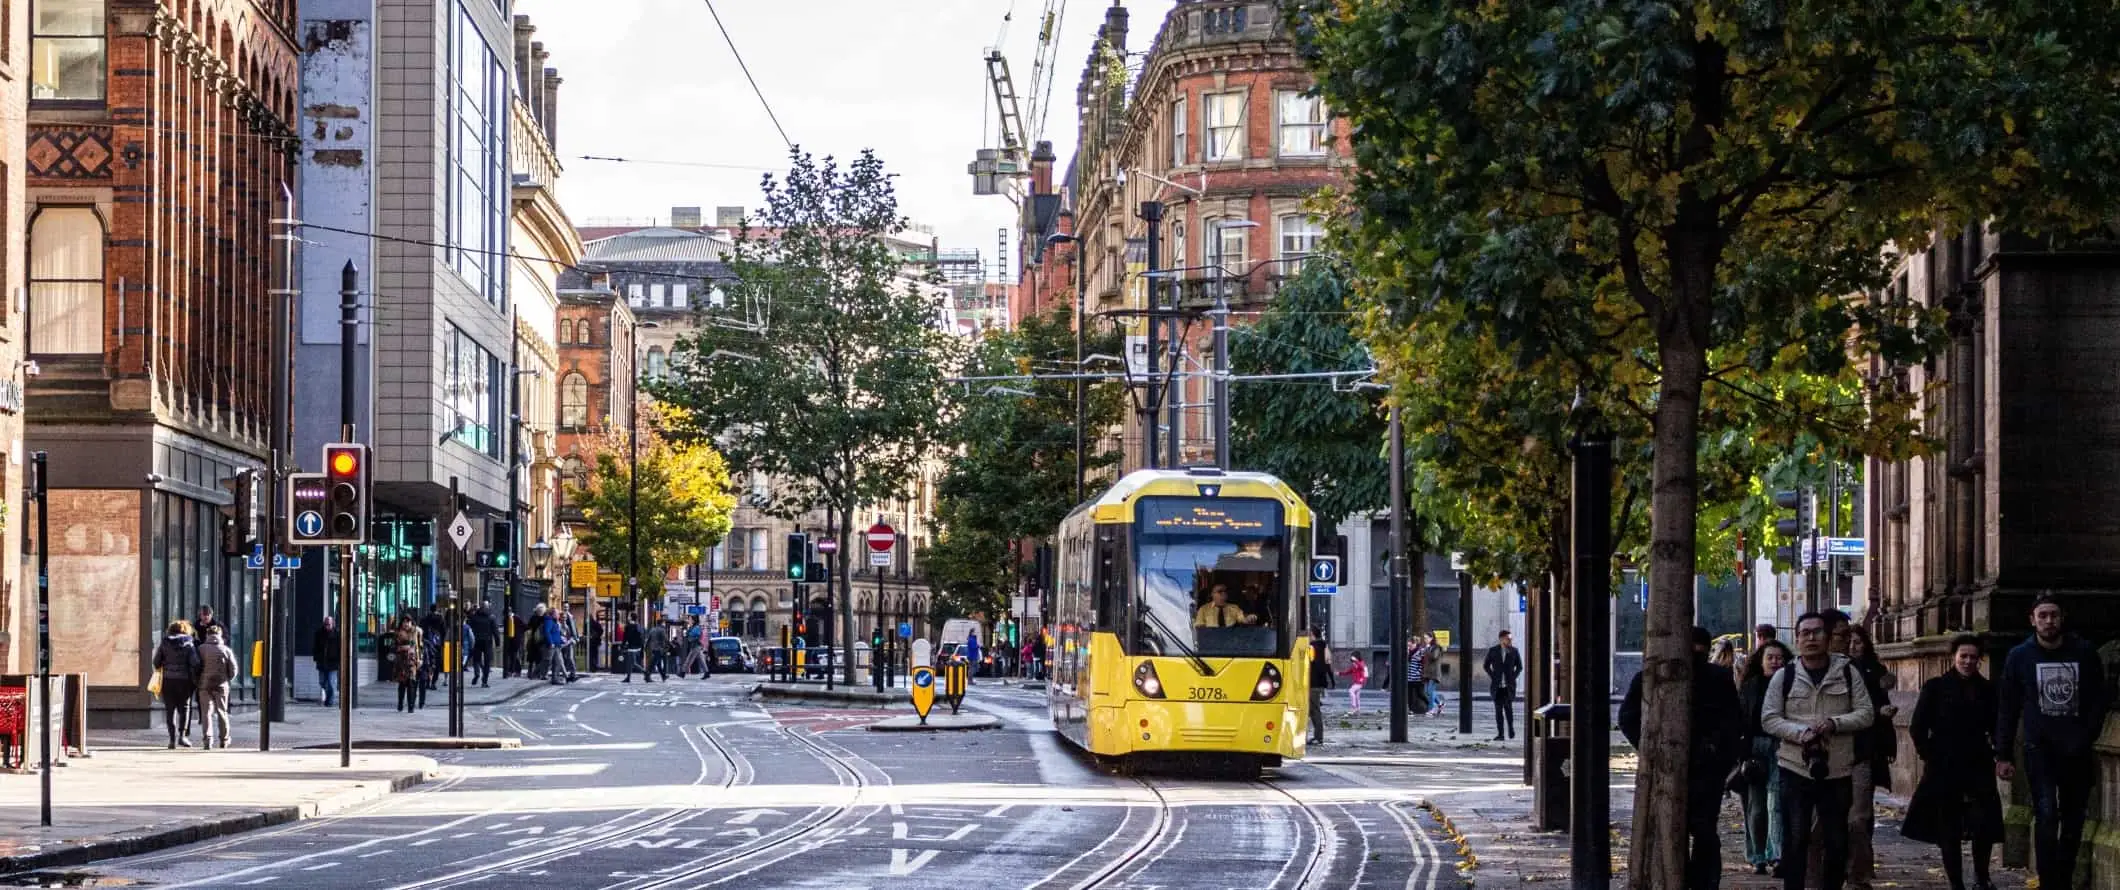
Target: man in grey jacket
(1816, 707)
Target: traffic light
(239, 517)
(231, 537)
(820, 572)
(308, 499)
(346, 471)
(494, 560)
(1793, 528)
(798, 556)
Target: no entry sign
(882, 538)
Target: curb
(465, 744)
(955, 723)
(841, 694)
(150, 841)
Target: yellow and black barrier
(956, 676)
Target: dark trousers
(1504, 711)
(2061, 790)
(631, 659)
(1826, 801)
(410, 694)
(481, 663)
(1704, 853)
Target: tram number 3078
(1205, 693)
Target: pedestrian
(206, 621)
(1875, 751)
(1357, 673)
(177, 658)
(1320, 682)
(1432, 658)
(971, 655)
(658, 652)
(534, 642)
(1504, 664)
(217, 668)
(486, 636)
(1038, 655)
(694, 649)
(1816, 707)
(432, 627)
(1955, 800)
(1715, 738)
(630, 640)
(405, 666)
(555, 649)
(1761, 770)
(596, 644)
(2054, 685)
(1417, 674)
(324, 649)
(571, 632)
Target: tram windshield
(1210, 577)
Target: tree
(1324, 441)
(1013, 477)
(685, 506)
(1697, 188)
(836, 394)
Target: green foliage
(685, 507)
(1013, 478)
(1689, 204)
(1325, 442)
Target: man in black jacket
(2055, 684)
(1718, 739)
(485, 632)
(1503, 666)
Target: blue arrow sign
(905, 630)
(309, 523)
(923, 678)
(280, 561)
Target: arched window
(66, 282)
(566, 331)
(585, 333)
(755, 620)
(574, 401)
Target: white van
(954, 632)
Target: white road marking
(902, 865)
(322, 866)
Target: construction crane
(1000, 171)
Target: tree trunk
(1659, 853)
(1561, 677)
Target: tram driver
(1218, 611)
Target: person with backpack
(177, 657)
(1817, 707)
(555, 649)
(695, 650)
(217, 668)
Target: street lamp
(541, 559)
(633, 465)
(1081, 408)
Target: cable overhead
(673, 163)
(731, 41)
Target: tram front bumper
(1148, 725)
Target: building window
(574, 401)
(1177, 132)
(737, 554)
(658, 363)
(680, 297)
(636, 295)
(1225, 127)
(1300, 236)
(1231, 247)
(566, 331)
(471, 386)
(761, 549)
(477, 198)
(1302, 124)
(66, 282)
(586, 332)
(1177, 245)
(66, 50)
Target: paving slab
(937, 723)
(130, 801)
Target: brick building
(1217, 128)
(17, 601)
(160, 145)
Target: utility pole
(1152, 213)
(1081, 385)
(456, 596)
(1221, 398)
(1397, 562)
(1464, 579)
(282, 431)
(349, 328)
(1590, 717)
(41, 467)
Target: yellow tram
(1178, 622)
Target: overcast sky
(653, 79)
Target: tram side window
(1112, 570)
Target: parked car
(733, 656)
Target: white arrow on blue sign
(280, 561)
(905, 630)
(1324, 575)
(309, 523)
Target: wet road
(692, 784)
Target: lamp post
(1221, 335)
(633, 463)
(541, 560)
(563, 562)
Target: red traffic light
(343, 460)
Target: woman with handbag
(1956, 798)
(176, 666)
(1759, 773)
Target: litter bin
(1549, 787)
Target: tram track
(1303, 870)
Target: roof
(655, 245)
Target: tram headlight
(1145, 679)
(1269, 684)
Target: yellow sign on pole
(923, 691)
(609, 585)
(1442, 638)
(584, 573)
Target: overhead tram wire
(706, 164)
(731, 41)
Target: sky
(654, 80)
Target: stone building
(2018, 502)
(161, 146)
(18, 604)
(1217, 129)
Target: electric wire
(747, 74)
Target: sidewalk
(1473, 785)
(130, 801)
(377, 722)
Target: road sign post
(1324, 575)
(923, 691)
